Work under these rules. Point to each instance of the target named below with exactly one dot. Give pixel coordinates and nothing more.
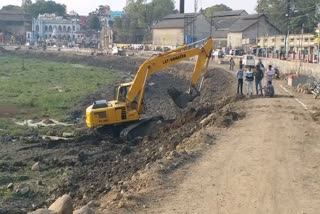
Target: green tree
(11, 7)
(301, 12)
(135, 25)
(42, 6)
(93, 22)
(26, 4)
(209, 11)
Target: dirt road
(266, 163)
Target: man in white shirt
(269, 75)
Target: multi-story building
(52, 27)
(303, 43)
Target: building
(106, 37)
(83, 22)
(105, 16)
(117, 14)
(54, 28)
(237, 29)
(221, 23)
(244, 32)
(14, 23)
(297, 43)
(177, 29)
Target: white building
(51, 27)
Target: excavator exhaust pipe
(181, 99)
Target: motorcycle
(316, 90)
(276, 73)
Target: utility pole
(318, 32)
(257, 50)
(301, 47)
(195, 6)
(181, 6)
(287, 31)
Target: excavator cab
(117, 111)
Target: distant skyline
(85, 7)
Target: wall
(293, 67)
(167, 37)
(235, 40)
(202, 28)
(251, 34)
(219, 43)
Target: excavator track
(141, 128)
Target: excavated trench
(88, 166)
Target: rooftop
(174, 20)
(229, 13)
(14, 16)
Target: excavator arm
(128, 105)
(167, 59)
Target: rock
(84, 210)
(39, 182)
(62, 205)
(42, 211)
(121, 204)
(10, 186)
(112, 196)
(67, 134)
(36, 166)
(93, 204)
(47, 121)
(24, 190)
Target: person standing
(258, 80)
(240, 62)
(260, 65)
(232, 64)
(240, 80)
(249, 79)
(259, 76)
(269, 75)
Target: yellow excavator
(128, 108)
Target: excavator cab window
(123, 90)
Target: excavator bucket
(181, 99)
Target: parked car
(248, 60)
(218, 53)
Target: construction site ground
(223, 154)
(265, 163)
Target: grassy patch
(39, 87)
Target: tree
(135, 25)
(93, 22)
(26, 4)
(209, 11)
(301, 12)
(11, 7)
(42, 6)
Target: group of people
(258, 75)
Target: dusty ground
(94, 163)
(265, 163)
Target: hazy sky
(83, 7)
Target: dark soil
(88, 166)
